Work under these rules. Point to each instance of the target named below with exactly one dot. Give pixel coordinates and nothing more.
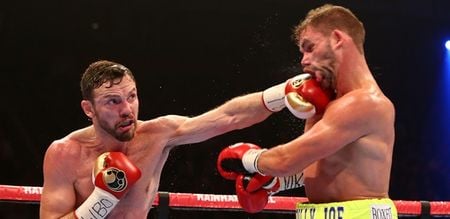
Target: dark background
(191, 56)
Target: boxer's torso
(147, 150)
(362, 168)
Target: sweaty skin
(69, 161)
(346, 154)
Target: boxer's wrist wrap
(279, 184)
(250, 160)
(98, 205)
(273, 97)
(291, 182)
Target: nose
(305, 60)
(126, 109)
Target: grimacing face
(116, 107)
(319, 58)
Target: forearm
(247, 158)
(45, 214)
(284, 160)
(98, 205)
(56, 203)
(237, 113)
(70, 215)
(246, 110)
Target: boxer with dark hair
(112, 168)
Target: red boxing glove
(304, 96)
(274, 184)
(257, 182)
(114, 173)
(240, 158)
(251, 202)
(253, 191)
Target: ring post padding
(163, 205)
(425, 210)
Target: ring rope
(32, 194)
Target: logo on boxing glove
(115, 179)
(299, 80)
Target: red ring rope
(206, 201)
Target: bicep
(58, 196)
(338, 128)
(57, 201)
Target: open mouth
(314, 75)
(125, 125)
(309, 70)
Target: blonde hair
(330, 17)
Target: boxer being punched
(112, 168)
(346, 153)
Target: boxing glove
(302, 95)
(273, 185)
(240, 158)
(113, 175)
(253, 191)
(251, 202)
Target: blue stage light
(447, 44)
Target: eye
(113, 101)
(309, 48)
(132, 97)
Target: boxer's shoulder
(162, 123)
(71, 144)
(361, 99)
(60, 158)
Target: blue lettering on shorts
(305, 213)
(333, 212)
(328, 212)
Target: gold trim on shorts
(356, 209)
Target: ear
(337, 39)
(88, 108)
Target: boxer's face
(116, 108)
(318, 57)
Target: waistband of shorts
(353, 204)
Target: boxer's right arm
(58, 198)
(58, 195)
(238, 159)
(239, 162)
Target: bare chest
(358, 170)
(148, 156)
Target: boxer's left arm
(303, 96)
(237, 113)
(253, 191)
(272, 185)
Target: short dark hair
(329, 17)
(100, 72)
